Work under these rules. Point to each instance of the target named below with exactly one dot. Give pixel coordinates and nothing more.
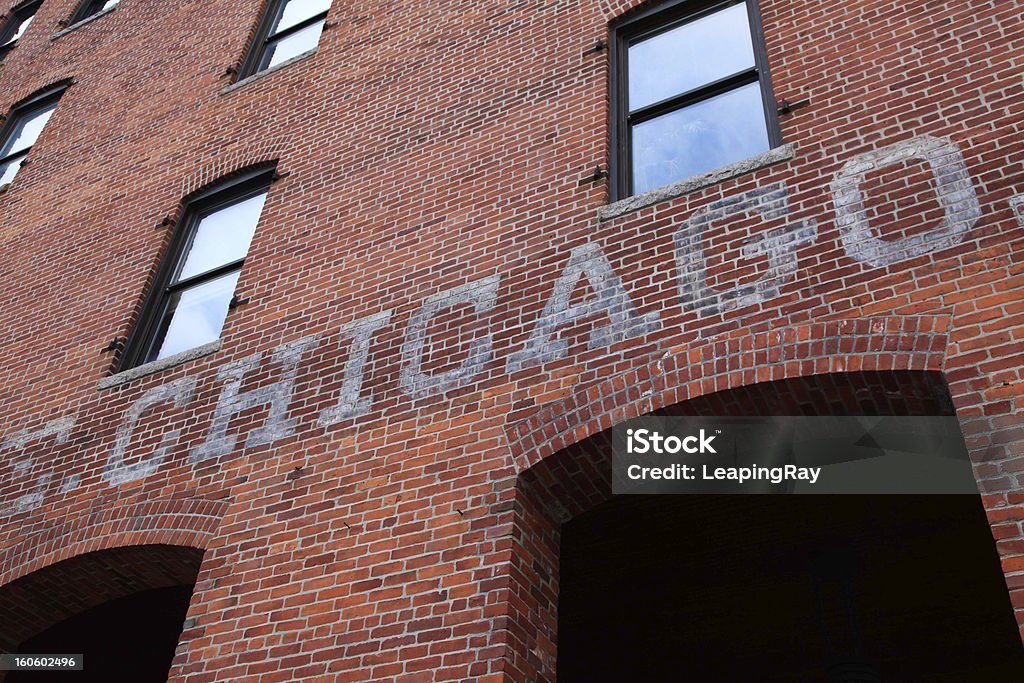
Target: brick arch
(728, 362)
(616, 9)
(188, 522)
(561, 453)
(232, 159)
(51, 81)
(48, 596)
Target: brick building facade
(446, 293)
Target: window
(690, 93)
(90, 8)
(21, 131)
(195, 284)
(289, 28)
(17, 22)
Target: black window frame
(263, 38)
(35, 103)
(141, 343)
(658, 19)
(88, 8)
(15, 18)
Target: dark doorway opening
(816, 588)
(130, 639)
(744, 588)
(122, 608)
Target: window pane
(291, 46)
(699, 138)
(27, 131)
(195, 316)
(95, 7)
(689, 56)
(297, 11)
(20, 30)
(8, 172)
(222, 236)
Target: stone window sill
(266, 72)
(155, 366)
(83, 22)
(697, 182)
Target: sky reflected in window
(293, 45)
(197, 315)
(689, 56)
(27, 131)
(21, 29)
(699, 138)
(8, 172)
(297, 11)
(223, 236)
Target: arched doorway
(122, 608)
(773, 588)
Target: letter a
(610, 299)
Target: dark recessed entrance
(829, 589)
(730, 588)
(122, 608)
(131, 639)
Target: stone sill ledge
(266, 72)
(83, 22)
(697, 182)
(155, 366)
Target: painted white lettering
(1017, 204)
(278, 395)
(953, 189)
(28, 469)
(116, 472)
(350, 404)
(481, 294)
(778, 246)
(610, 299)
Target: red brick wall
(433, 148)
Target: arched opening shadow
(122, 608)
(764, 588)
(751, 588)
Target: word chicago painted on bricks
(33, 478)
